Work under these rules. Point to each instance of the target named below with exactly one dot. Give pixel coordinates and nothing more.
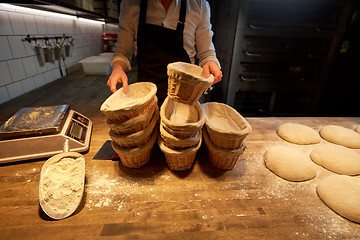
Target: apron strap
(181, 21)
(182, 15)
(142, 17)
(142, 20)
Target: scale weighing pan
(37, 132)
(32, 121)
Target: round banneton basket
(136, 157)
(173, 142)
(226, 127)
(187, 82)
(179, 160)
(181, 120)
(134, 124)
(222, 158)
(121, 106)
(136, 139)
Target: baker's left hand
(211, 67)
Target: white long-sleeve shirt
(197, 30)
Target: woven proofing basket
(222, 158)
(179, 160)
(136, 157)
(136, 139)
(221, 135)
(173, 142)
(134, 124)
(120, 106)
(186, 82)
(182, 129)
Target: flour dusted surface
(62, 184)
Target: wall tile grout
(35, 75)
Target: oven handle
(253, 54)
(247, 79)
(315, 28)
(252, 26)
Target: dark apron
(157, 47)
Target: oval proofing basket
(136, 157)
(179, 160)
(222, 158)
(134, 124)
(226, 127)
(121, 106)
(136, 139)
(187, 82)
(192, 116)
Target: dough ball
(297, 133)
(358, 129)
(341, 136)
(336, 158)
(342, 194)
(289, 163)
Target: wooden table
(153, 202)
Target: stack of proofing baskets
(182, 116)
(224, 134)
(133, 121)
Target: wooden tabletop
(153, 202)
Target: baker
(161, 32)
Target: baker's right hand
(118, 75)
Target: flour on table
(342, 194)
(298, 134)
(337, 158)
(289, 163)
(341, 136)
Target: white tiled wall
(22, 65)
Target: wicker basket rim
(223, 151)
(142, 148)
(208, 123)
(141, 133)
(138, 120)
(179, 70)
(175, 140)
(181, 152)
(171, 125)
(106, 107)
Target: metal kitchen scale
(37, 132)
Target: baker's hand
(118, 75)
(211, 67)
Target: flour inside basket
(220, 118)
(184, 113)
(134, 96)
